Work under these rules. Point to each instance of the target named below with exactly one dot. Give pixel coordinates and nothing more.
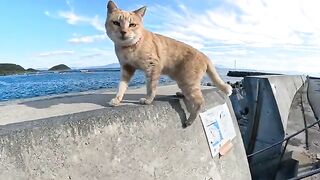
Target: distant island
(60, 67)
(10, 69)
(112, 65)
(7, 69)
(31, 70)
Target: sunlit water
(34, 85)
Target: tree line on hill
(8, 69)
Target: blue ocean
(48, 83)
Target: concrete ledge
(126, 142)
(269, 99)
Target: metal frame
(286, 140)
(308, 174)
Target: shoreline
(70, 94)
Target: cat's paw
(228, 90)
(145, 101)
(179, 95)
(114, 102)
(186, 124)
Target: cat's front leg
(127, 72)
(152, 81)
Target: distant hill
(60, 67)
(7, 69)
(31, 70)
(113, 65)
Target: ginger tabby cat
(138, 48)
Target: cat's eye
(116, 23)
(132, 25)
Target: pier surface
(79, 136)
(52, 106)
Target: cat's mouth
(124, 38)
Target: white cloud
(282, 35)
(263, 23)
(87, 39)
(47, 13)
(71, 17)
(89, 56)
(75, 19)
(296, 64)
(69, 5)
(55, 53)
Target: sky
(272, 35)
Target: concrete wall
(284, 88)
(314, 95)
(269, 99)
(126, 142)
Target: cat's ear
(111, 6)
(141, 11)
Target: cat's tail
(215, 78)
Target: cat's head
(124, 28)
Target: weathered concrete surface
(50, 106)
(284, 89)
(263, 105)
(269, 99)
(314, 95)
(305, 146)
(126, 142)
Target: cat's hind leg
(196, 102)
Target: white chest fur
(130, 57)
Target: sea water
(48, 83)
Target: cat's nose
(123, 33)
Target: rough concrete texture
(269, 99)
(305, 146)
(314, 95)
(57, 105)
(284, 89)
(126, 142)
